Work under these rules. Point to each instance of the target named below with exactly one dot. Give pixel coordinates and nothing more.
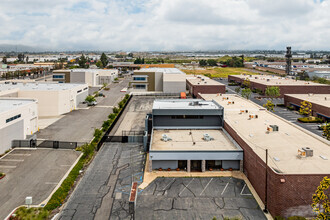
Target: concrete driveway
(32, 173)
(79, 125)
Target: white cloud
(166, 24)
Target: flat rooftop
(203, 81)
(277, 81)
(282, 145)
(183, 140)
(164, 70)
(39, 86)
(184, 104)
(319, 99)
(10, 104)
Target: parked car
(92, 103)
(101, 94)
(321, 126)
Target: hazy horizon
(159, 25)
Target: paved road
(197, 198)
(106, 183)
(280, 111)
(32, 173)
(79, 125)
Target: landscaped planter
(2, 175)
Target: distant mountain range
(19, 48)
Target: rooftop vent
(305, 152)
(194, 103)
(207, 137)
(14, 83)
(166, 138)
(275, 127)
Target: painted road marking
(206, 186)
(26, 155)
(169, 183)
(225, 188)
(66, 165)
(7, 167)
(11, 160)
(248, 194)
(51, 183)
(186, 186)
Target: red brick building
(320, 103)
(286, 85)
(205, 85)
(292, 177)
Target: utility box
(132, 199)
(28, 200)
(275, 127)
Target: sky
(166, 25)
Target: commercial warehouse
(18, 119)
(320, 103)
(205, 85)
(167, 80)
(93, 77)
(187, 135)
(53, 98)
(286, 85)
(297, 159)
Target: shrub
(126, 96)
(279, 218)
(31, 213)
(115, 110)
(97, 134)
(2, 174)
(112, 116)
(106, 125)
(310, 120)
(296, 218)
(121, 104)
(290, 107)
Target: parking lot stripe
(66, 165)
(7, 167)
(51, 183)
(169, 183)
(206, 186)
(25, 155)
(11, 160)
(225, 188)
(248, 194)
(186, 186)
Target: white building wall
(19, 128)
(78, 77)
(174, 83)
(48, 101)
(159, 81)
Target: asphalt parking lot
(103, 190)
(32, 173)
(197, 198)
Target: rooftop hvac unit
(207, 137)
(275, 127)
(166, 138)
(309, 151)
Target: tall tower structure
(288, 57)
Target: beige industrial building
(167, 80)
(18, 119)
(93, 77)
(53, 98)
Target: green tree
(99, 64)
(82, 61)
(269, 105)
(272, 91)
(4, 60)
(326, 131)
(305, 108)
(212, 62)
(246, 93)
(90, 98)
(246, 83)
(130, 55)
(202, 62)
(104, 60)
(237, 89)
(321, 202)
